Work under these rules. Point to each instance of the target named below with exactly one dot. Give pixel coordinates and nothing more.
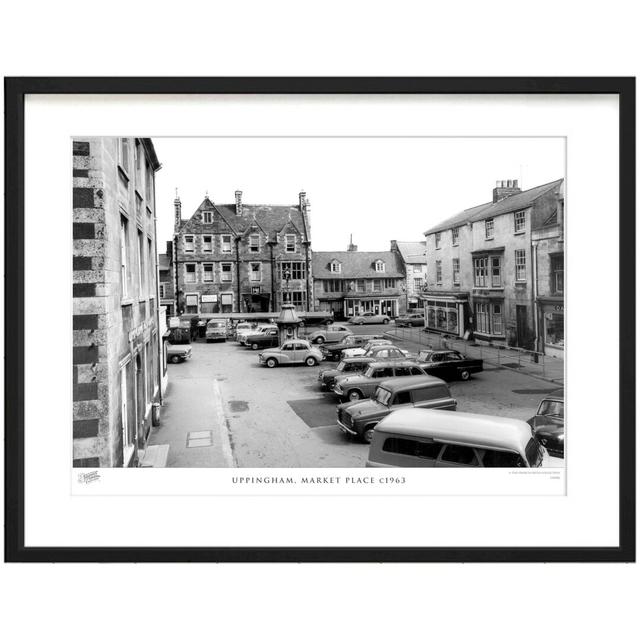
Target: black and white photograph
(319, 302)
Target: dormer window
(290, 243)
(336, 267)
(379, 266)
(208, 217)
(254, 243)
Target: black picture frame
(15, 91)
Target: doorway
(521, 326)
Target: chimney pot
(238, 203)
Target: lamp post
(286, 274)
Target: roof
(413, 382)
(558, 394)
(413, 252)
(357, 264)
(163, 262)
(359, 359)
(456, 427)
(392, 362)
(517, 201)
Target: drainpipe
(534, 290)
(237, 240)
(306, 249)
(176, 276)
(272, 302)
(160, 345)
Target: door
(287, 353)
(300, 352)
(521, 325)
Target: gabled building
(414, 259)
(352, 282)
(488, 267)
(243, 257)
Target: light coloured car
(291, 352)
(367, 349)
(258, 330)
(332, 333)
(370, 318)
(178, 353)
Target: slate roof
(357, 264)
(520, 200)
(413, 252)
(271, 219)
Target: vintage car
(241, 328)
(257, 330)
(331, 333)
(449, 364)
(327, 378)
(355, 387)
(291, 352)
(334, 351)
(424, 392)
(178, 352)
(410, 320)
(378, 349)
(370, 318)
(267, 338)
(548, 423)
(216, 330)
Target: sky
(378, 189)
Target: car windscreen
(382, 396)
(341, 366)
(553, 408)
(534, 453)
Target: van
(425, 392)
(431, 438)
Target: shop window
(488, 229)
(207, 272)
(519, 221)
(521, 265)
(497, 326)
(554, 329)
(190, 272)
(226, 273)
(456, 270)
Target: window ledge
(125, 302)
(519, 233)
(123, 174)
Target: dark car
(424, 392)
(548, 423)
(268, 338)
(334, 351)
(449, 364)
(327, 378)
(410, 320)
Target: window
(191, 302)
(417, 268)
(489, 318)
(438, 271)
(123, 154)
(480, 272)
(149, 185)
(496, 271)
(383, 373)
(255, 271)
(482, 317)
(389, 283)
(413, 448)
(125, 274)
(290, 243)
(333, 286)
(430, 393)
(207, 244)
(226, 243)
(360, 286)
(403, 371)
(417, 283)
(455, 266)
(496, 320)
(377, 285)
(521, 265)
(190, 272)
(403, 397)
(298, 298)
(138, 160)
(226, 274)
(297, 270)
(208, 217)
(254, 243)
(207, 272)
(459, 455)
(163, 291)
(488, 228)
(492, 458)
(438, 238)
(455, 233)
(379, 266)
(127, 426)
(336, 267)
(141, 272)
(151, 268)
(189, 244)
(519, 221)
(138, 206)
(226, 300)
(557, 273)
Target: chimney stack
(177, 205)
(351, 247)
(238, 203)
(302, 197)
(504, 189)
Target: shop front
(358, 306)
(448, 314)
(551, 322)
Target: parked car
(424, 392)
(178, 352)
(378, 349)
(216, 330)
(331, 333)
(334, 351)
(449, 364)
(268, 338)
(428, 438)
(327, 378)
(291, 352)
(257, 330)
(355, 387)
(240, 328)
(410, 320)
(370, 318)
(548, 423)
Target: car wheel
(464, 374)
(175, 359)
(311, 362)
(272, 362)
(319, 340)
(385, 321)
(254, 346)
(367, 435)
(354, 395)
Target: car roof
(381, 347)
(296, 341)
(472, 429)
(413, 382)
(359, 359)
(380, 364)
(558, 394)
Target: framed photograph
(320, 319)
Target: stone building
(166, 277)
(352, 282)
(488, 267)
(414, 259)
(242, 257)
(117, 362)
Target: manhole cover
(199, 439)
(238, 405)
